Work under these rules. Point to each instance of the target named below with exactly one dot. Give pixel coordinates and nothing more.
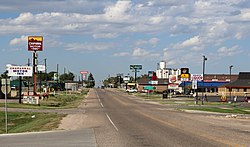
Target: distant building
(163, 73)
(237, 87)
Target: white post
(6, 112)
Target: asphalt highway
(136, 123)
(111, 118)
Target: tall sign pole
(34, 71)
(35, 43)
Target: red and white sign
(35, 43)
(173, 86)
(172, 78)
(84, 72)
(196, 77)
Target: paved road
(109, 118)
(136, 123)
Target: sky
(104, 37)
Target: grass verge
(58, 101)
(222, 110)
(23, 122)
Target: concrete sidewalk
(83, 137)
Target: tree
(90, 81)
(4, 75)
(67, 77)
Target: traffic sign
(5, 82)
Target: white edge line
(112, 122)
(99, 99)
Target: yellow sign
(185, 76)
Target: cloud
(118, 11)
(192, 42)
(151, 41)
(121, 54)
(224, 51)
(139, 52)
(105, 35)
(17, 41)
(88, 46)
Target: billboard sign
(196, 77)
(184, 70)
(20, 71)
(172, 78)
(41, 68)
(150, 74)
(138, 67)
(173, 86)
(35, 43)
(84, 72)
(153, 82)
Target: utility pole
(28, 79)
(45, 64)
(203, 73)
(230, 89)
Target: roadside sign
(196, 77)
(172, 78)
(173, 86)
(138, 67)
(4, 84)
(41, 68)
(153, 82)
(23, 71)
(35, 43)
(84, 72)
(194, 84)
(185, 76)
(184, 70)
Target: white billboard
(41, 68)
(20, 71)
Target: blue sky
(105, 36)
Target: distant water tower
(162, 65)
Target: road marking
(99, 99)
(112, 122)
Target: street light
(230, 89)
(203, 72)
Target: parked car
(131, 90)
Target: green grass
(58, 101)
(222, 110)
(23, 122)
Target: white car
(131, 90)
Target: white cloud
(139, 52)
(118, 12)
(17, 41)
(121, 54)
(192, 42)
(151, 41)
(224, 51)
(105, 35)
(88, 46)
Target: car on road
(131, 90)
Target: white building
(163, 73)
